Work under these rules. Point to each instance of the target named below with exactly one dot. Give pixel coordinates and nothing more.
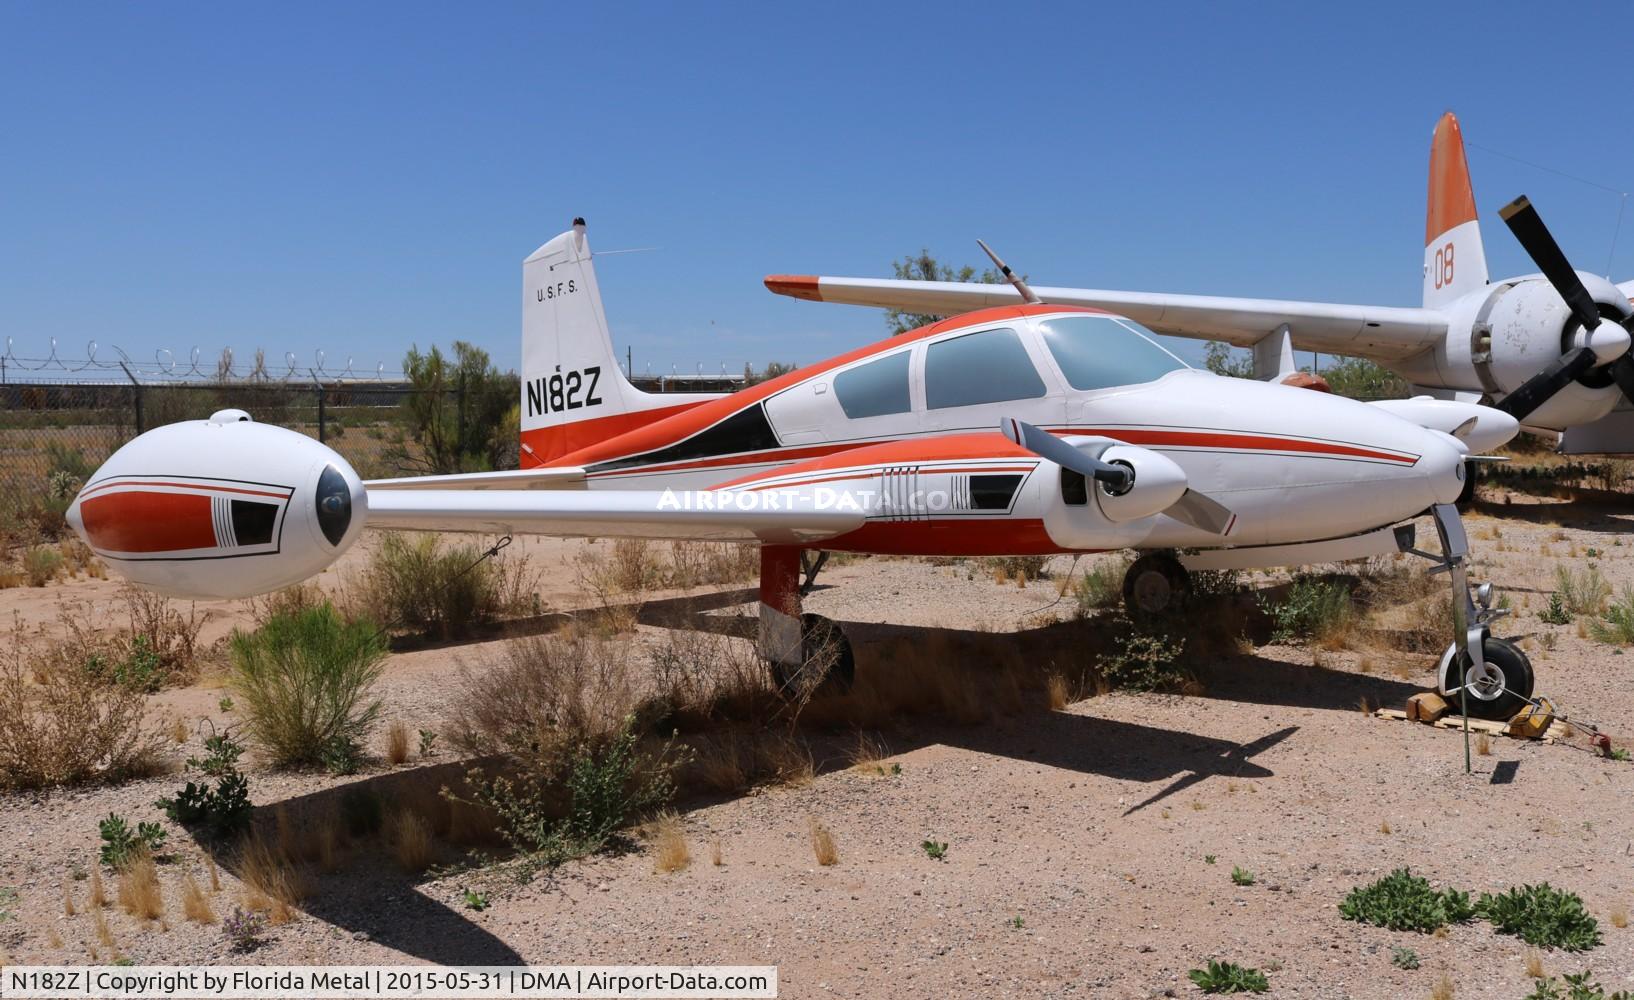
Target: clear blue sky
(358, 177)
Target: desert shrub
(41, 565)
(436, 587)
(123, 844)
(1556, 613)
(550, 821)
(1228, 977)
(305, 681)
(1313, 608)
(700, 564)
(1101, 587)
(1583, 591)
(1402, 901)
(546, 692)
(1145, 660)
(1578, 986)
(1017, 568)
(1616, 625)
(244, 930)
(1543, 916)
(222, 811)
(59, 726)
(157, 648)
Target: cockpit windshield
(1099, 352)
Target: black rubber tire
(828, 662)
(1155, 585)
(1516, 671)
(1467, 495)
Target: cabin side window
(986, 367)
(876, 388)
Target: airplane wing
(558, 478)
(710, 515)
(1384, 333)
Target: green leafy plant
(605, 785)
(243, 929)
(306, 678)
(896, 769)
(1620, 753)
(121, 844)
(1145, 660)
(41, 564)
(226, 703)
(1556, 613)
(1616, 625)
(1313, 608)
(1016, 923)
(1575, 987)
(1100, 587)
(1403, 957)
(1228, 977)
(1402, 901)
(1209, 859)
(1543, 916)
(475, 900)
(1241, 876)
(935, 850)
(222, 812)
(221, 756)
(1583, 591)
(428, 737)
(8, 899)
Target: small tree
(462, 416)
(924, 267)
(1359, 378)
(1221, 358)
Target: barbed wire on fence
(166, 367)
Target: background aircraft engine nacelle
(1529, 326)
(220, 508)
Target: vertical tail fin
(573, 392)
(1454, 261)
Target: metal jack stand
(1491, 677)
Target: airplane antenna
(1010, 276)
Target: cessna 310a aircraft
(1025, 429)
(1553, 349)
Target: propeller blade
(1540, 388)
(1523, 220)
(1118, 478)
(1622, 372)
(1203, 511)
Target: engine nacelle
(1159, 482)
(1528, 332)
(220, 508)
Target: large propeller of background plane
(1601, 340)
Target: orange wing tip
(797, 286)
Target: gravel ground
(1079, 840)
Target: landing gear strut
(1155, 585)
(1488, 677)
(803, 651)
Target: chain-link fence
(53, 436)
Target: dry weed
(1618, 916)
(670, 853)
(139, 893)
(100, 921)
(215, 873)
(1442, 990)
(1384, 828)
(715, 857)
(1534, 965)
(822, 843)
(410, 838)
(53, 940)
(195, 906)
(68, 908)
(99, 893)
(271, 883)
(1483, 745)
(397, 742)
(867, 752)
(1059, 694)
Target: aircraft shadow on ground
(369, 896)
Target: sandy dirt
(1089, 849)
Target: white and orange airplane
(1018, 430)
(1552, 349)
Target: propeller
(1196, 509)
(1605, 341)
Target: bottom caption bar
(252, 982)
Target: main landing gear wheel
(1501, 695)
(827, 661)
(1155, 585)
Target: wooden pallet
(1557, 730)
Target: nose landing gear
(1156, 584)
(1486, 677)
